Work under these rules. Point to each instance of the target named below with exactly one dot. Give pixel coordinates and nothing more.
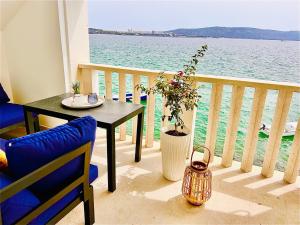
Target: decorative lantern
(196, 186)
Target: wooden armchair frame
(86, 195)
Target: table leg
(139, 137)
(111, 159)
(36, 122)
(29, 122)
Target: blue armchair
(49, 173)
(11, 114)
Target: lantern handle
(205, 148)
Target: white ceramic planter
(174, 150)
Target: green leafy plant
(76, 87)
(179, 91)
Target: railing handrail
(246, 82)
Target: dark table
(109, 116)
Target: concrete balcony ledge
(143, 196)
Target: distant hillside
(238, 32)
(131, 33)
(215, 32)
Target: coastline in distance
(214, 32)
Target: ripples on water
(260, 59)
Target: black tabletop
(110, 113)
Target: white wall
(33, 50)
(8, 10)
(76, 23)
(41, 55)
(4, 72)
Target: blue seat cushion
(26, 154)
(93, 173)
(3, 96)
(57, 207)
(18, 205)
(10, 114)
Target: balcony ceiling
(8, 9)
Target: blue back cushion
(26, 154)
(3, 96)
(2, 144)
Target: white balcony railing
(87, 74)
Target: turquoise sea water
(260, 59)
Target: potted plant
(76, 89)
(180, 95)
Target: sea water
(242, 58)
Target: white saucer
(80, 102)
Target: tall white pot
(174, 150)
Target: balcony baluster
(277, 129)
(293, 165)
(150, 114)
(213, 119)
(108, 85)
(253, 129)
(122, 98)
(136, 99)
(232, 126)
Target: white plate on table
(81, 102)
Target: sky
(158, 15)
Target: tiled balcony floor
(143, 196)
